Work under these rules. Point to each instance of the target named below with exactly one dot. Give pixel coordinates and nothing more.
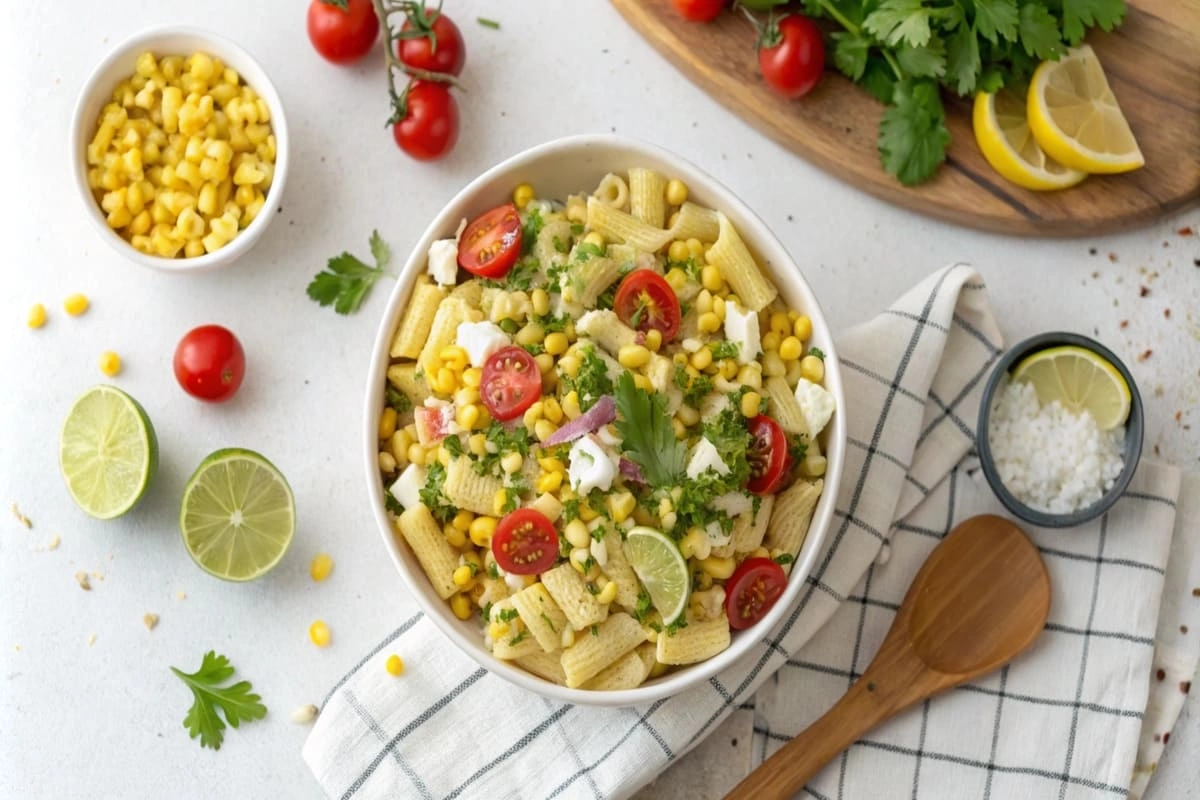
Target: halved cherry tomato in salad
(645, 300)
(491, 243)
(511, 383)
(752, 590)
(431, 42)
(768, 456)
(698, 10)
(525, 542)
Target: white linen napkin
(1063, 721)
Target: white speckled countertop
(104, 718)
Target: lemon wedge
(1075, 117)
(1080, 380)
(1003, 135)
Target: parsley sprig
(346, 281)
(237, 702)
(646, 433)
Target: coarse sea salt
(1050, 459)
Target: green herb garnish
(346, 281)
(237, 702)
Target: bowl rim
(625, 152)
(80, 134)
(1134, 428)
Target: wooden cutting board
(1152, 62)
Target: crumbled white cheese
(733, 503)
(480, 340)
(443, 262)
(741, 327)
(407, 488)
(590, 466)
(717, 537)
(599, 551)
(705, 455)
(816, 404)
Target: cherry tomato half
(210, 363)
(440, 49)
(752, 590)
(768, 456)
(429, 128)
(511, 383)
(489, 246)
(698, 10)
(342, 36)
(525, 542)
(645, 300)
(791, 55)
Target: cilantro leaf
(236, 702)
(850, 54)
(898, 21)
(646, 433)
(432, 496)
(879, 80)
(923, 62)
(1079, 15)
(380, 250)
(346, 280)
(1040, 36)
(962, 60)
(913, 135)
(996, 19)
(531, 226)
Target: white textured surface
(113, 707)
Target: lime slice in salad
(1080, 380)
(107, 452)
(662, 570)
(238, 515)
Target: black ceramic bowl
(1133, 431)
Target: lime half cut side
(107, 452)
(238, 515)
(1080, 380)
(662, 570)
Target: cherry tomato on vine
(511, 383)
(210, 363)
(489, 246)
(645, 300)
(768, 455)
(525, 542)
(698, 10)
(429, 127)
(342, 34)
(752, 590)
(791, 55)
(430, 40)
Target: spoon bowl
(980, 599)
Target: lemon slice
(1003, 134)
(107, 452)
(238, 515)
(662, 570)
(1080, 380)
(1075, 117)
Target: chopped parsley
(507, 441)
(493, 571)
(797, 447)
(453, 446)
(592, 381)
(576, 229)
(485, 613)
(642, 609)
(432, 496)
(818, 352)
(551, 323)
(531, 226)
(724, 349)
(520, 637)
(783, 559)
(689, 267)
(676, 625)
(508, 615)
(571, 510)
(561, 246)
(694, 389)
(521, 277)
(549, 622)
(398, 400)
(391, 503)
(585, 251)
(534, 349)
(595, 630)
(509, 325)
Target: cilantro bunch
(904, 51)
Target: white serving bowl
(97, 92)
(571, 166)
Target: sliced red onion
(602, 413)
(631, 472)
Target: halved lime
(661, 568)
(107, 452)
(238, 515)
(1080, 380)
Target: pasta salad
(601, 428)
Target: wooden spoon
(980, 599)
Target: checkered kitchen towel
(1064, 721)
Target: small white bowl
(97, 92)
(571, 166)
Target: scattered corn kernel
(76, 304)
(677, 192)
(550, 481)
(511, 462)
(462, 576)
(522, 195)
(387, 422)
(802, 328)
(319, 634)
(750, 404)
(110, 363)
(710, 278)
(481, 531)
(720, 568)
(320, 567)
(633, 356)
(678, 253)
(654, 339)
(771, 340)
(460, 604)
(497, 630)
(394, 665)
(701, 359)
(812, 369)
(37, 316)
(790, 348)
(454, 537)
(708, 323)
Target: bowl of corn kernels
(180, 149)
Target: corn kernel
(499, 501)
(387, 462)
(750, 404)
(633, 356)
(678, 427)
(704, 301)
(454, 537)
(539, 299)
(37, 316)
(781, 324)
(462, 520)
(556, 344)
(522, 195)
(477, 444)
(609, 593)
(701, 359)
(460, 604)
(751, 375)
(110, 363)
(719, 568)
(568, 365)
(387, 422)
(481, 531)
(552, 411)
(772, 365)
(621, 505)
(444, 381)
(654, 339)
(596, 239)
(790, 348)
(678, 253)
(708, 323)
(677, 192)
(394, 665)
(577, 534)
(511, 462)
(467, 416)
(643, 382)
(318, 633)
(688, 415)
(676, 278)
(545, 363)
(498, 630)
(570, 405)
(75, 304)
(544, 429)
(695, 248)
(320, 567)
(812, 369)
(770, 341)
(462, 576)
(416, 454)
(802, 328)
(549, 481)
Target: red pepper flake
(1124, 324)
(1161, 674)
(1186, 230)
(1185, 686)
(1144, 355)
(1143, 290)
(1112, 257)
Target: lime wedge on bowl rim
(662, 570)
(107, 452)
(238, 515)
(1081, 380)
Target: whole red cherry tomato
(431, 41)
(210, 363)
(429, 128)
(342, 35)
(698, 10)
(791, 55)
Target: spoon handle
(794, 764)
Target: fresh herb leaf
(549, 622)
(783, 559)
(850, 52)
(346, 281)
(695, 389)
(508, 615)
(560, 246)
(1079, 15)
(724, 349)
(646, 433)
(678, 624)
(1040, 36)
(453, 446)
(898, 21)
(392, 504)
(913, 135)
(595, 630)
(488, 23)
(520, 637)
(493, 571)
(431, 494)
(923, 62)
(962, 60)
(592, 381)
(642, 609)
(397, 400)
(531, 225)
(485, 613)
(236, 702)
(586, 250)
(996, 19)
(817, 352)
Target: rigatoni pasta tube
(647, 196)
(729, 253)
